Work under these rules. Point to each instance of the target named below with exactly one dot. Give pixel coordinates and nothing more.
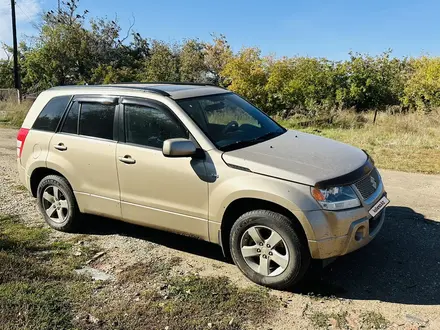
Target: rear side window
(97, 120)
(71, 122)
(51, 114)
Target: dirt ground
(394, 282)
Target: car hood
(298, 157)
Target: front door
(155, 190)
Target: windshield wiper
(247, 143)
(267, 136)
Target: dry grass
(13, 114)
(404, 142)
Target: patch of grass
(140, 271)
(189, 302)
(323, 320)
(35, 305)
(39, 290)
(319, 319)
(183, 302)
(374, 320)
(15, 236)
(13, 113)
(404, 142)
(21, 187)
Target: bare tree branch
(129, 29)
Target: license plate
(379, 206)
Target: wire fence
(8, 94)
(11, 95)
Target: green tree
(422, 89)
(192, 65)
(217, 55)
(302, 83)
(373, 82)
(162, 64)
(6, 74)
(246, 75)
(62, 53)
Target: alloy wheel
(264, 250)
(55, 204)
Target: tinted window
(71, 122)
(50, 116)
(150, 126)
(96, 120)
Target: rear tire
(57, 203)
(268, 250)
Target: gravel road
(397, 276)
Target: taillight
(21, 137)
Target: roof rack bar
(179, 83)
(139, 88)
(142, 88)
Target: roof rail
(139, 88)
(142, 88)
(179, 83)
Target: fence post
(19, 96)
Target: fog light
(359, 233)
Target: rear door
(83, 150)
(158, 191)
(36, 147)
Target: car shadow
(401, 265)
(96, 225)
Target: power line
(25, 14)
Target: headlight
(336, 198)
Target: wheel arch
(245, 204)
(38, 174)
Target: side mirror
(178, 148)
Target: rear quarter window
(51, 114)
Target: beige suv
(201, 161)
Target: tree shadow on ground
(401, 265)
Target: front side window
(97, 120)
(229, 121)
(51, 115)
(148, 126)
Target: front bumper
(360, 233)
(339, 232)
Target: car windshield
(229, 121)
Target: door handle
(127, 159)
(60, 147)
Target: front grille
(368, 185)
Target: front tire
(267, 249)
(57, 203)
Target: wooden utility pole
(17, 81)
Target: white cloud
(26, 11)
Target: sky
(319, 28)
